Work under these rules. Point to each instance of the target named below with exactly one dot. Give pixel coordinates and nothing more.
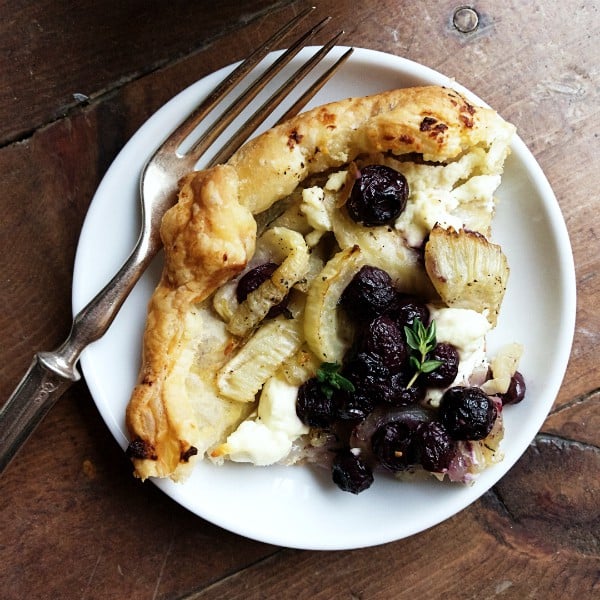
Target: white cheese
(254, 442)
(318, 203)
(313, 207)
(423, 210)
(277, 407)
(480, 188)
(462, 327)
(268, 439)
(465, 329)
(438, 195)
(336, 181)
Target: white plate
(298, 506)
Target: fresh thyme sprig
(421, 341)
(331, 379)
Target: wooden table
(76, 81)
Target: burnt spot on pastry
(294, 138)
(139, 448)
(433, 127)
(466, 115)
(406, 139)
(187, 454)
(467, 121)
(327, 118)
(313, 158)
(453, 98)
(427, 124)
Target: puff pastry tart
(259, 252)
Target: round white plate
(299, 506)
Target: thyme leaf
(331, 379)
(421, 340)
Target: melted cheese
(268, 438)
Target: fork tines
(236, 107)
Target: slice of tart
(259, 253)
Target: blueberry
(404, 396)
(436, 448)
(378, 196)
(446, 373)
(408, 308)
(314, 407)
(394, 444)
(350, 473)
(467, 413)
(354, 406)
(370, 377)
(370, 293)
(516, 390)
(383, 337)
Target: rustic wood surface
(76, 81)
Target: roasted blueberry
(370, 376)
(378, 196)
(370, 293)
(408, 308)
(350, 473)
(516, 390)
(394, 444)
(405, 396)
(446, 373)
(467, 413)
(436, 448)
(314, 407)
(354, 406)
(383, 337)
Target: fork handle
(29, 403)
(52, 373)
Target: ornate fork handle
(52, 373)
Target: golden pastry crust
(435, 122)
(208, 238)
(176, 413)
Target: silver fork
(52, 373)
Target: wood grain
(74, 523)
(54, 54)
